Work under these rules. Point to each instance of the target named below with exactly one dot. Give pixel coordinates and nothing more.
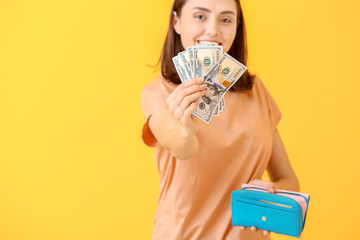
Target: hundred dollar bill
(191, 60)
(221, 105)
(219, 80)
(190, 51)
(181, 68)
(216, 110)
(205, 57)
(185, 58)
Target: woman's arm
(174, 128)
(279, 168)
(280, 171)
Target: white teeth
(208, 43)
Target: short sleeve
(152, 100)
(272, 108)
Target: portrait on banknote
(212, 96)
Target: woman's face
(207, 20)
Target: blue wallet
(283, 212)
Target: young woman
(200, 164)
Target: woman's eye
(199, 17)
(226, 20)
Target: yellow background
(72, 164)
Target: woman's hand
(254, 229)
(173, 126)
(262, 183)
(182, 102)
(271, 188)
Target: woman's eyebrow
(201, 9)
(207, 10)
(228, 12)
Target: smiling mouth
(200, 41)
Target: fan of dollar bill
(219, 70)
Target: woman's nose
(212, 27)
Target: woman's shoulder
(258, 85)
(257, 82)
(154, 84)
(160, 83)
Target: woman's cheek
(231, 37)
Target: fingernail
(200, 80)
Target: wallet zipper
(289, 193)
(265, 207)
(277, 204)
(284, 200)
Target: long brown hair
(172, 46)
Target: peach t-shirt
(234, 148)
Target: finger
(188, 111)
(176, 113)
(261, 183)
(271, 187)
(183, 114)
(188, 91)
(189, 99)
(186, 119)
(181, 86)
(184, 93)
(192, 82)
